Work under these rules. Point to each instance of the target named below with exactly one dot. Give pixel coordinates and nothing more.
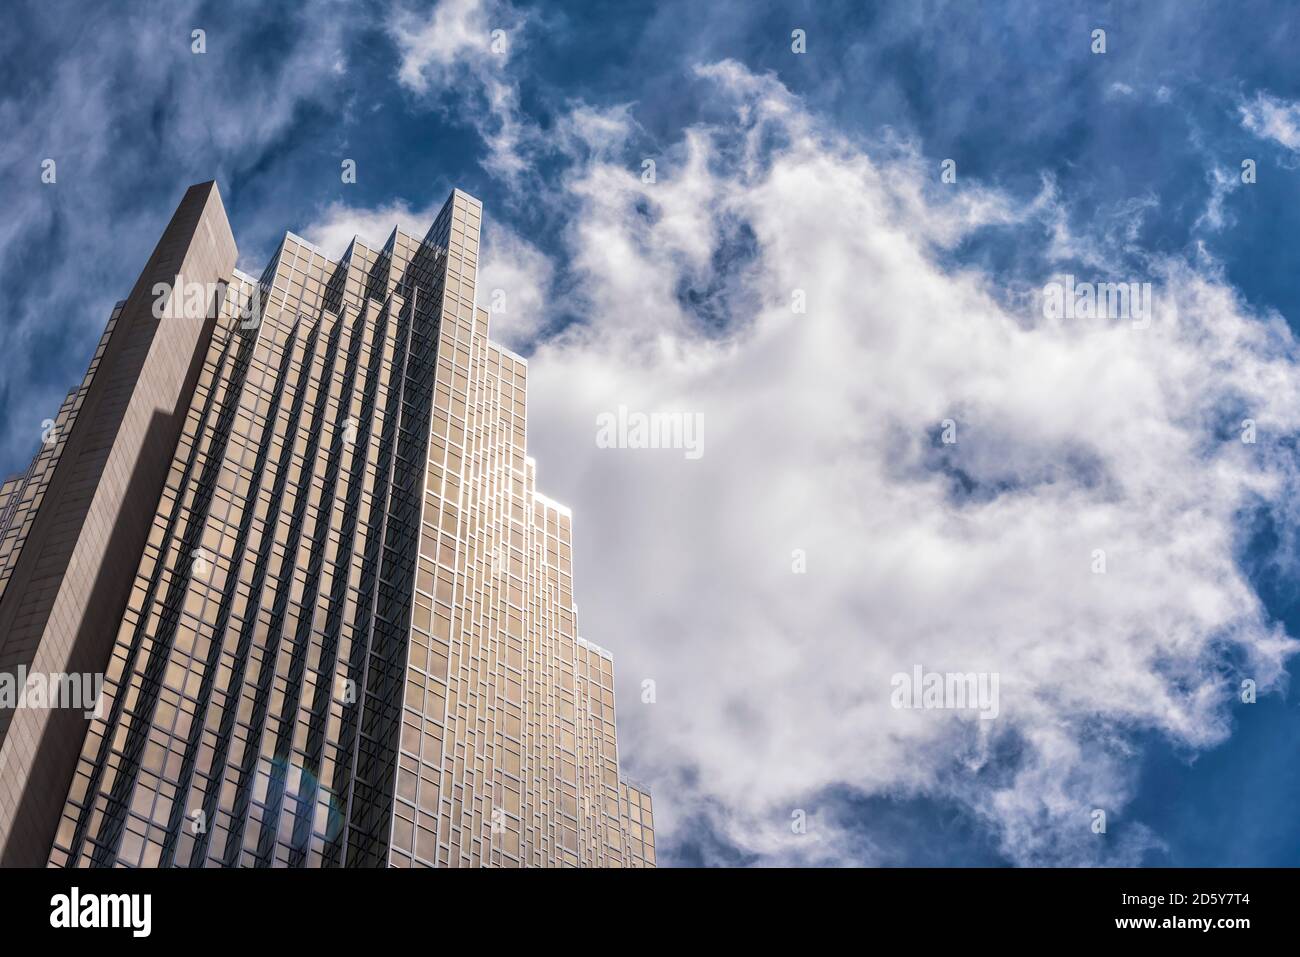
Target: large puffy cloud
(821, 433)
(773, 688)
(1078, 442)
(515, 285)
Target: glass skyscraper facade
(347, 636)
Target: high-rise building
(293, 522)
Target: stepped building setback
(292, 522)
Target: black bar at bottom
(377, 907)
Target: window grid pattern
(352, 638)
(508, 749)
(21, 495)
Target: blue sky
(1124, 165)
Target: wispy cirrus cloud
(458, 51)
(194, 113)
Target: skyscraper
(293, 521)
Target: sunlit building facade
(349, 637)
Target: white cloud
(1273, 119)
(456, 48)
(336, 226)
(514, 280)
(773, 687)
(514, 284)
(1222, 182)
(433, 46)
(215, 113)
